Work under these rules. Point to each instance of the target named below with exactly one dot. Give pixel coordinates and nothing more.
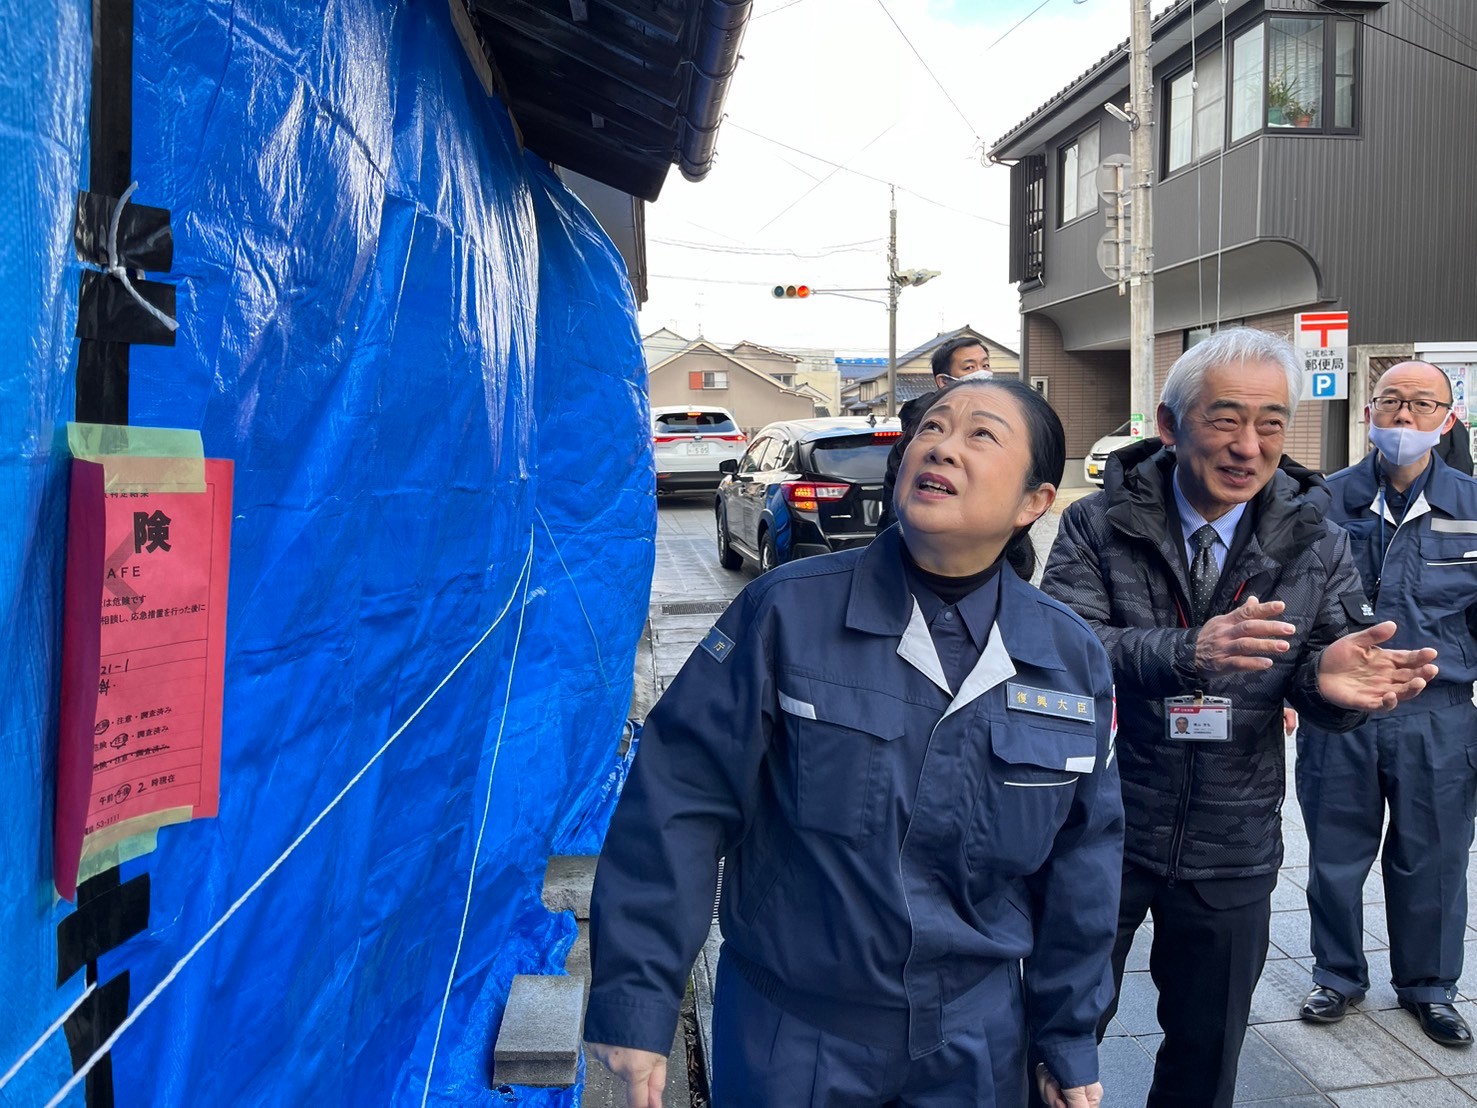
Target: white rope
(120, 272)
(1199, 162)
(143, 1005)
(594, 638)
(48, 1033)
(1220, 229)
(481, 831)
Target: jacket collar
(881, 604)
(1289, 510)
(1441, 489)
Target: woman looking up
(904, 753)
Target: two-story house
(1308, 155)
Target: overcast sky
(836, 79)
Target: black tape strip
(101, 885)
(102, 383)
(101, 924)
(102, 368)
(107, 311)
(88, 1028)
(112, 97)
(145, 240)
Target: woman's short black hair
(1047, 445)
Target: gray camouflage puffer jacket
(1199, 810)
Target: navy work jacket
(1421, 569)
(889, 842)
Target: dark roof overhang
(618, 90)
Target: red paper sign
(141, 716)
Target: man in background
(1412, 524)
(954, 360)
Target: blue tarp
(421, 352)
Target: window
(1286, 75)
(754, 460)
(1295, 73)
(695, 423)
(1247, 83)
(1312, 74)
(1197, 111)
(1343, 75)
(853, 457)
(712, 379)
(786, 379)
(1027, 219)
(1079, 175)
(1196, 335)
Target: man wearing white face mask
(963, 358)
(1412, 522)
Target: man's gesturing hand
(1355, 672)
(1242, 639)
(644, 1073)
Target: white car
(689, 442)
(1096, 462)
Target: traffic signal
(790, 292)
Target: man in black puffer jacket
(1167, 564)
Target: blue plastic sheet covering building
(421, 352)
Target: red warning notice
(141, 724)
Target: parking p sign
(1323, 343)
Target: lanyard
(1411, 494)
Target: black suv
(806, 486)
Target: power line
(712, 280)
(1018, 22)
(867, 247)
(870, 143)
(924, 62)
(1440, 24)
(1401, 38)
(866, 176)
(773, 11)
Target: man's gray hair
(1233, 346)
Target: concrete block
(577, 961)
(539, 1040)
(568, 881)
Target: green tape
(141, 459)
(132, 838)
(136, 846)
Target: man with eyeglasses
(1219, 591)
(1412, 523)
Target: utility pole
(892, 291)
(1141, 279)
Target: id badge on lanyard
(1205, 719)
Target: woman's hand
(644, 1073)
(1081, 1096)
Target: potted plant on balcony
(1282, 105)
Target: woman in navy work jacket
(905, 754)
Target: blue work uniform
(1417, 555)
(900, 832)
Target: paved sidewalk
(1376, 1058)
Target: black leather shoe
(1441, 1022)
(1324, 1005)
